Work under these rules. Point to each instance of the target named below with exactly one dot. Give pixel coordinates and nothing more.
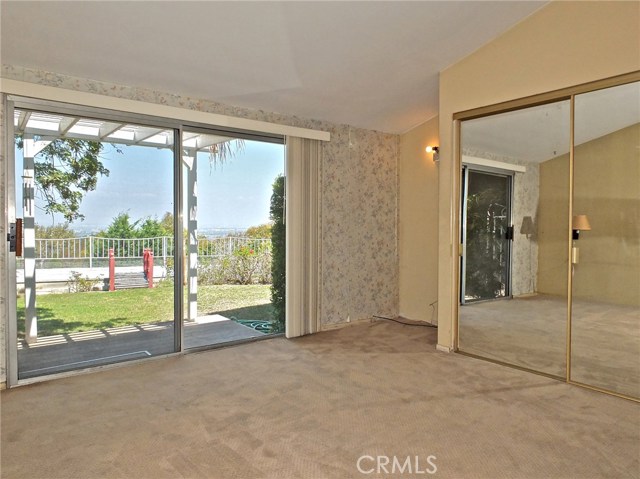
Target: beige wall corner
(561, 45)
(418, 223)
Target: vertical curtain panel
(302, 193)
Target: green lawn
(73, 312)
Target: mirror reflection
(514, 218)
(605, 334)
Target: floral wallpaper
(359, 231)
(526, 193)
(359, 265)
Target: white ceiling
(369, 64)
(540, 133)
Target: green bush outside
(278, 254)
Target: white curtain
(302, 193)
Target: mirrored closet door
(605, 306)
(522, 321)
(550, 237)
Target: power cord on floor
(420, 323)
(433, 312)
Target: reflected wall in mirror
(605, 335)
(514, 267)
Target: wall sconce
(527, 227)
(435, 151)
(579, 223)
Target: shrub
(77, 284)
(249, 264)
(170, 268)
(260, 231)
(278, 255)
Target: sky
(235, 195)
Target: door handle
(509, 233)
(14, 237)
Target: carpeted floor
(531, 332)
(309, 408)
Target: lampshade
(581, 223)
(527, 227)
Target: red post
(150, 268)
(112, 270)
(147, 265)
(145, 253)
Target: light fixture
(527, 227)
(579, 223)
(435, 151)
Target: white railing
(97, 248)
(226, 245)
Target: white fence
(53, 252)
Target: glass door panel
(234, 204)
(605, 332)
(488, 234)
(94, 276)
(526, 325)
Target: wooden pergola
(39, 129)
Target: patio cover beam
(189, 158)
(31, 148)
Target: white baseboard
(444, 349)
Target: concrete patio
(66, 352)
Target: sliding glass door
(134, 236)
(94, 205)
(487, 235)
(233, 208)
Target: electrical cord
(421, 323)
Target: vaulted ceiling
(369, 64)
(539, 133)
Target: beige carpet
(309, 408)
(531, 332)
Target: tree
(66, 170)
(151, 228)
(220, 153)
(166, 223)
(278, 258)
(121, 227)
(486, 226)
(55, 231)
(259, 232)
